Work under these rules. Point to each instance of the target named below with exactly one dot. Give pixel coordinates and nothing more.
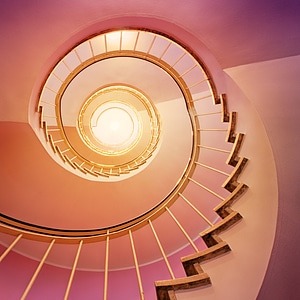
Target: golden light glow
(120, 126)
(100, 131)
(108, 148)
(116, 125)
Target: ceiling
(252, 49)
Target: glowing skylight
(115, 125)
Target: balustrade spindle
(73, 271)
(162, 251)
(10, 247)
(36, 273)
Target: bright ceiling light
(115, 125)
(119, 122)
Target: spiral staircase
(133, 216)
(181, 124)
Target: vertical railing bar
(213, 129)
(136, 41)
(121, 37)
(10, 247)
(182, 229)
(50, 89)
(106, 266)
(197, 83)
(48, 116)
(207, 189)
(36, 273)
(66, 150)
(188, 70)
(164, 52)
(57, 77)
(105, 43)
(46, 102)
(78, 56)
(53, 129)
(67, 66)
(73, 271)
(215, 149)
(152, 43)
(202, 98)
(58, 141)
(136, 267)
(179, 58)
(207, 114)
(211, 168)
(91, 48)
(162, 250)
(196, 210)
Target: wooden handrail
(231, 182)
(191, 262)
(223, 101)
(164, 288)
(208, 235)
(231, 127)
(221, 209)
(233, 157)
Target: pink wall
(16, 272)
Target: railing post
(162, 250)
(36, 273)
(137, 267)
(207, 189)
(183, 231)
(106, 267)
(73, 271)
(10, 247)
(196, 210)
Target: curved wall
(258, 206)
